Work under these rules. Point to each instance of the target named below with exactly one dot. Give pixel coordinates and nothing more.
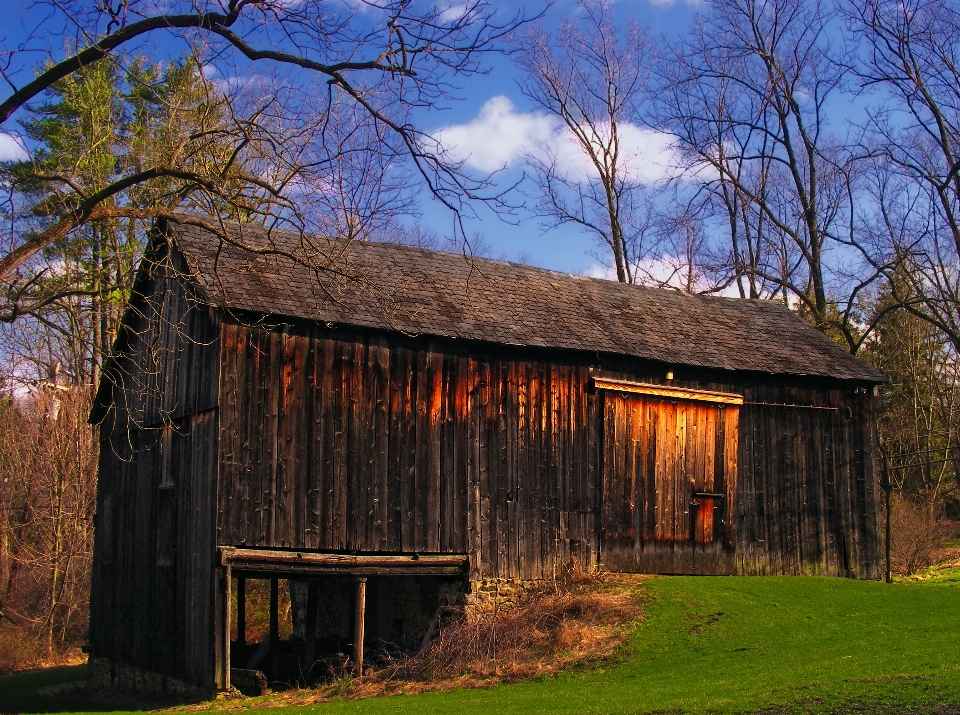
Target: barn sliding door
(669, 479)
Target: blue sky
(564, 249)
(490, 105)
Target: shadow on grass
(62, 690)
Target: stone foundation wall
(105, 674)
(490, 595)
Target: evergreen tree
(95, 126)
(919, 417)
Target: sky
(495, 125)
(491, 126)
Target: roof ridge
(522, 266)
(418, 290)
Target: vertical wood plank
(381, 427)
(410, 453)
(448, 456)
(488, 537)
(474, 534)
(434, 408)
(398, 425)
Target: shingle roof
(419, 291)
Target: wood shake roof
(417, 291)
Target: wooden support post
(241, 611)
(358, 630)
(228, 575)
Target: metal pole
(358, 631)
(887, 488)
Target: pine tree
(94, 127)
(919, 417)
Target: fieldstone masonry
(105, 674)
(489, 595)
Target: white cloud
(598, 270)
(452, 13)
(646, 156)
(664, 271)
(500, 136)
(497, 138)
(12, 148)
(668, 3)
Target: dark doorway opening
(298, 618)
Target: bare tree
(351, 181)
(250, 135)
(48, 468)
(381, 58)
(919, 420)
(591, 76)
(747, 92)
(909, 57)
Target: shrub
(19, 649)
(917, 536)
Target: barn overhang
(275, 562)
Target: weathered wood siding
(808, 487)
(167, 352)
(365, 442)
(366, 445)
(659, 454)
(154, 590)
(153, 600)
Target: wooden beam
(232, 555)
(359, 624)
(667, 392)
(269, 561)
(255, 570)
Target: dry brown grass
(22, 649)
(575, 624)
(19, 650)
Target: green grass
(18, 693)
(944, 573)
(744, 644)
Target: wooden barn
(406, 428)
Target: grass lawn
(728, 644)
(18, 693)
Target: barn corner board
(391, 434)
